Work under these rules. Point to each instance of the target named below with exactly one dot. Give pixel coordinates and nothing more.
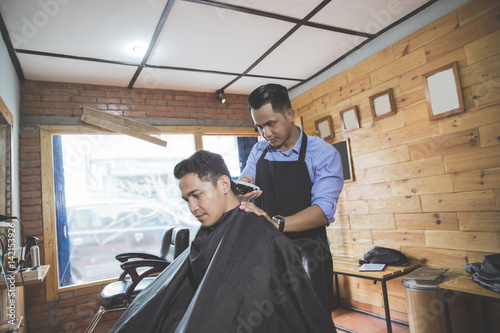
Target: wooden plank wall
(428, 188)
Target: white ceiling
(194, 45)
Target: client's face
(206, 201)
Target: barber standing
(300, 176)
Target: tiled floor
(363, 323)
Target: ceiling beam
(152, 43)
(10, 49)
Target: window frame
(47, 181)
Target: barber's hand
(250, 195)
(250, 207)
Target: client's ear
(225, 184)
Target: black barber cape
(239, 276)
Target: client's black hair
(275, 94)
(206, 165)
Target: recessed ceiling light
(137, 49)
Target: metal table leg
(386, 307)
(337, 289)
(446, 311)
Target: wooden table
(350, 268)
(464, 285)
(29, 277)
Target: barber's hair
(206, 165)
(275, 94)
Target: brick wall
(67, 99)
(62, 103)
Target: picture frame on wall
(443, 92)
(349, 119)
(344, 149)
(382, 105)
(324, 128)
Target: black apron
(286, 190)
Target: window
(234, 150)
(113, 193)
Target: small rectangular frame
(324, 128)
(344, 149)
(443, 93)
(349, 119)
(382, 105)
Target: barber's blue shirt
(323, 163)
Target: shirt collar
(295, 149)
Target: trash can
(424, 307)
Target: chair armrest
(123, 257)
(130, 267)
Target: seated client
(240, 274)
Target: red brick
(72, 301)
(87, 305)
(30, 156)
(198, 104)
(165, 97)
(92, 93)
(118, 94)
(143, 107)
(65, 311)
(30, 164)
(37, 201)
(118, 107)
(65, 92)
(29, 135)
(29, 190)
(135, 114)
(54, 98)
(42, 91)
(141, 95)
(52, 84)
(80, 86)
(109, 100)
(185, 98)
(200, 115)
(88, 291)
(194, 93)
(219, 116)
(32, 97)
(178, 103)
(31, 111)
(106, 88)
(180, 115)
(156, 102)
(39, 104)
(87, 99)
(157, 114)
(68, 105)
(164, 108)
(133, 101)
(59, 111)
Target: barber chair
(118, 295)
(310, 253)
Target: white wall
(9, 90)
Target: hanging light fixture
(220, 96)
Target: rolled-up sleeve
(328, 179)
(253, 158)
